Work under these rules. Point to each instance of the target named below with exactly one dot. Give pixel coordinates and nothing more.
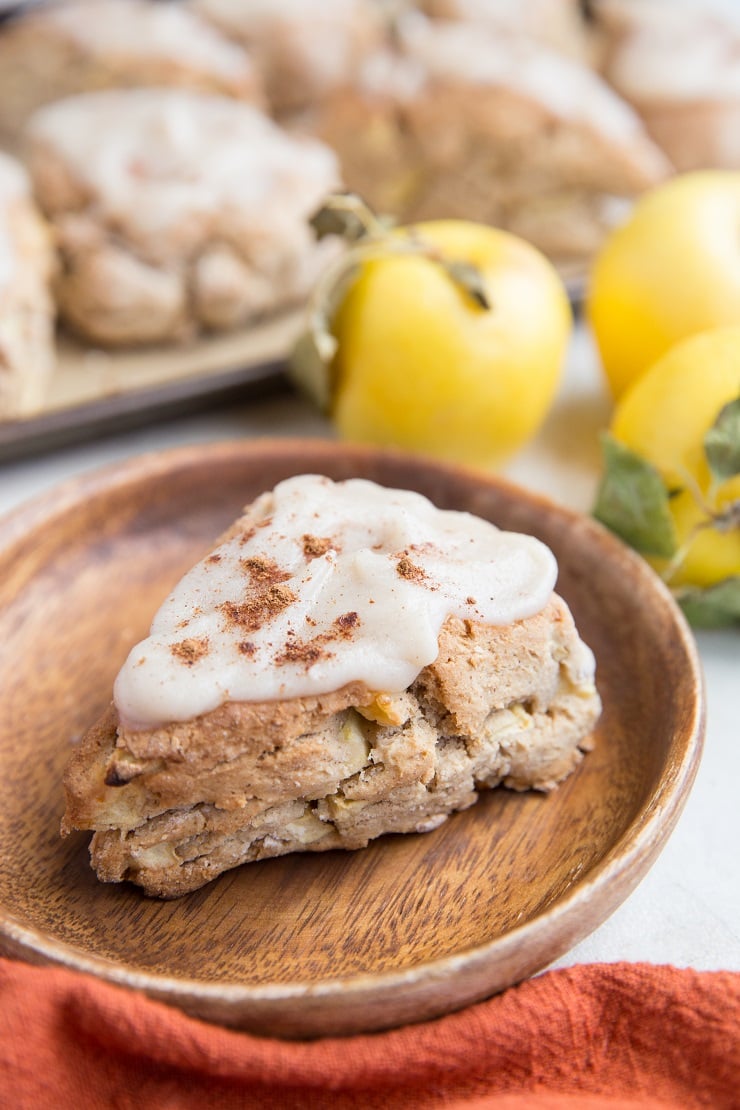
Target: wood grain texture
(410, 927)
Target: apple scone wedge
(175, 212)
(347, 662)
(458, 121)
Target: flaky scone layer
(174, 807)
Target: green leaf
(632, 501)
(722, 442)
(715, 606)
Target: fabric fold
(595, 1035)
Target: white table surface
(687, 910)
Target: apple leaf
(722, 442)
(341, 214)
(632, 501)
(715, 606)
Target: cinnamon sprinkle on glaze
(409, 570)
(346, 622)
(314, 546)
(191, 650)
(264, 606)
(308, 652)
(263, 572)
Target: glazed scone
(26, 308)
(348, 661)
(677, 64)
(175, 212)
(303, 50)
(85, 45)
(463, 122)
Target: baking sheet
(95, 392)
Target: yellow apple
(420, 365)
(672, 270)
(664, 417)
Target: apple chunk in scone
(349, 661)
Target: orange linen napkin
(605, 1036)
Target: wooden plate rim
(633, 852)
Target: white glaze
(171, 167)
(679, 53)
(467, 568)
(162, 30)
(564, 88)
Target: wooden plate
(411, 927)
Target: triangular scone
(175, 212)
(461, 122)
(385, 694)
(677, 65)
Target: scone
(85, 45)
(175, 212)
(677, 64)
(26, 308)
(303, 50)
(462, 122)
(348, 661)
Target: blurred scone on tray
(26, 307)
(56, 50)
(459, 121)
(678, 65)
(303, 50)
(559, 24)
(175, 212)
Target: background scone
(175, 211)
(329, 673)
(559, 24)
(58, 50)
(677, 64)
(459, 121)
(303, 50)
(26, 308)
